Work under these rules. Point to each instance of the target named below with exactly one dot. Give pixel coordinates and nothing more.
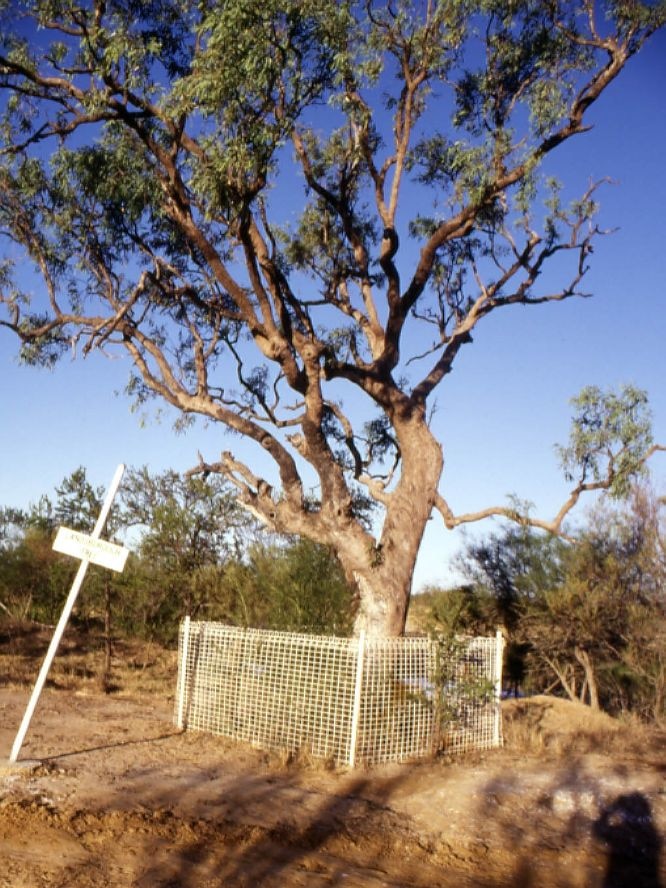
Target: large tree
(151, 155)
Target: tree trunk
(568, 685)
(384, 576)
(590, 678)
(108, 643)
(382, 607)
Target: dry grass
(546, 727)
(138, 668)
(553, 727)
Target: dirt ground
(109, 793)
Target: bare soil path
(121, 798)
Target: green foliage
(588, 618)
(610, 435)
(33, 579)
(513, 566)
(78, 503)
(193, 554)
(606, 622)
(462, 610)
(459, 691)
(186, 522)
(296, 587)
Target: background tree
(11, 532)
(514, 566)
(585, 619)
(296, 586)
(461, 610)
(194, 551)
(78, 504)
(509, 571)
(33, 578)
(36, 579)
(143, 151)
(186, 529)
(601, 632)
(11, 524)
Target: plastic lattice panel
(349, 700)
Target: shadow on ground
(579, 833)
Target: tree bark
(590, 678)
(569, 686)
(384, 578)
(108, 642)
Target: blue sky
(506, 403)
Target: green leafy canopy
(292, 215)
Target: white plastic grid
(355, 701)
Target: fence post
(182, 671)
(356, 709)
(499, 661)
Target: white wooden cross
(87, 548)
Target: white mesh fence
(352, 700)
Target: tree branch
(553, 526)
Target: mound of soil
(552, 722)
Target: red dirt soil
(118, 797)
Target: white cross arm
(84, 546)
